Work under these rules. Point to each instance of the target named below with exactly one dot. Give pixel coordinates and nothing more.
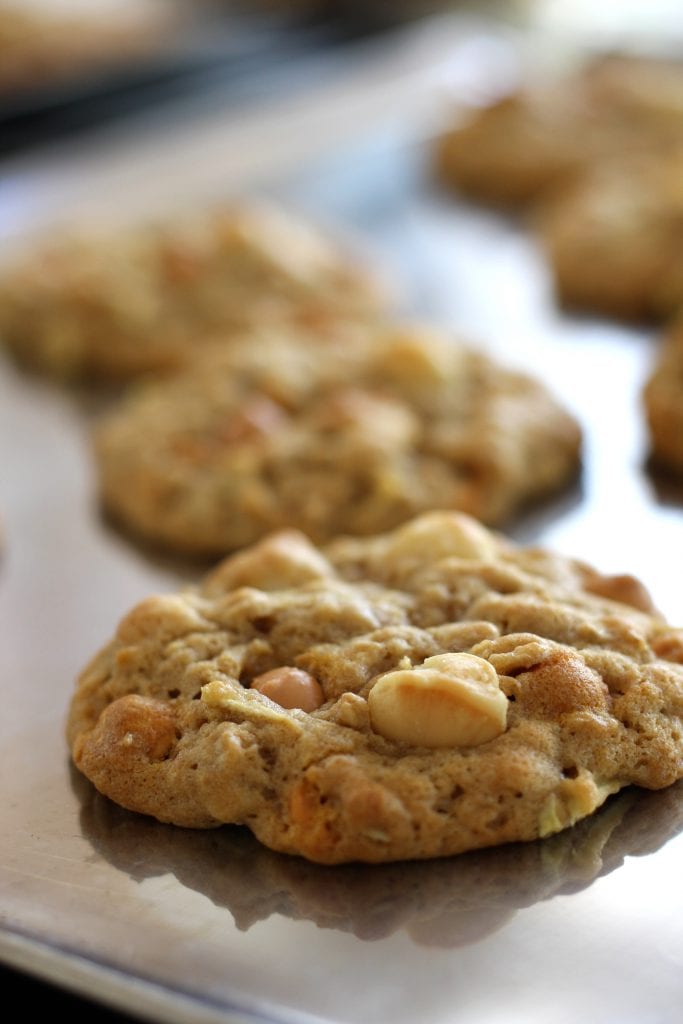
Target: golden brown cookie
(516, 149)
(113, 304)
(614, 239)
(353, 437)
(663, 401)
(528, 143)
(44, 44)
(460, 692)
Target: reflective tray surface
(181, 926)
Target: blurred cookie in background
(112, 303)
(663, 402)
(45, 43)
(519, 147)
(354, 434)
(614, 239)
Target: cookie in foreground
(353, 436)
(415, 694)
(110, 303)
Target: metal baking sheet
(198, 50)
(175, 925)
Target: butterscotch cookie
(415, 694)
(44, 44)
(147, 297)
(645, 91)
(663, 401)
(516, 149)
(354, 439)
(614, 239)
(526, 144)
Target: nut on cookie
(356, 703)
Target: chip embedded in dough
(104, 302)
(353, 437)
(578, 681)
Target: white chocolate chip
(451, 700)
(437, 535)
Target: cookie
(645, 91)
(353, 437)
(614, 240)
(44, 44)
(663, 402)
(524, 145)
(147, 297)
(516, 149)
(419, 693)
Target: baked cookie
(614, 239)
(415, 694)
(148, 297)
(516, 149)
(46, 44)
(354, 437)
(645, 91)
(663, 402)
(527, 144)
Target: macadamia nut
(282, 560)
(437, 535)
(451, 700)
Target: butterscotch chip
(108, 303)
(528, 143)
(614, 239)
(290, 688)
(580, 695)
(663, 401)
(273, 433)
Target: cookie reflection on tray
(667, 486)
(446, 902)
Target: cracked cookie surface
(356, 439)
(166, 721)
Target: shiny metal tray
(181, 926)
